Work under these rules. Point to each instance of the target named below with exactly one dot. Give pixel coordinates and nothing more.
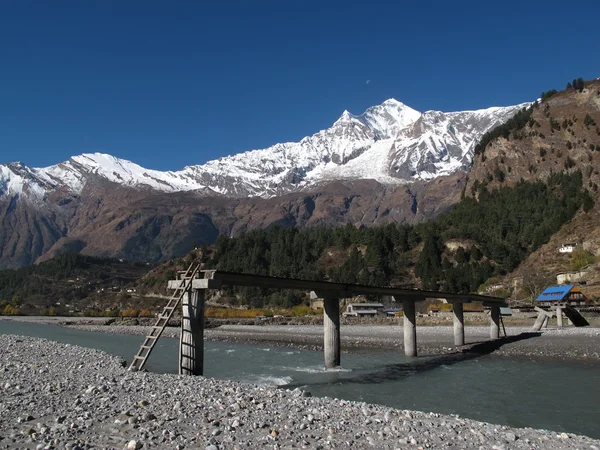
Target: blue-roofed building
(568, 293)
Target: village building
(567, 248)
(571, 277)
(569, 294)
(363, 309)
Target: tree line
(501, 228)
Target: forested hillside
(495, 231)
(67, 279)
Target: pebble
(94, 400)
(134, 445)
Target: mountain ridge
(419, 146)
(389, 164)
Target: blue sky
(169, 84)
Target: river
(560, 396)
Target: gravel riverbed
(68, 397)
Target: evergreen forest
(501, 228)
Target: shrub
(569, 163)
(440, 307)
(301, 310)
(499, 175)
(130, 312)
(581, 258)
(48, 312)
(579, 84)
(10, 310)
(589, 121)
(546, 95)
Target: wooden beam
(500, 302)
(329, 294)
(347, 289)
(539, 321)
(544, 312)
(197, 283)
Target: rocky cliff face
(563, 134)
(389, 164)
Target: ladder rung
(165, 315)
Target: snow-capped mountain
(391, 143)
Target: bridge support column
(459, 324)
(410, 328)
(495, 322)
(191, 342)
(559, 317)
(331, 332)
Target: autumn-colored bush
(48, 312)
(581, 258)
(440, 307)
(226, 313)
(101, 313)
(473, 307)
(10, 310)
(301, 310)
(130, 312)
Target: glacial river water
(560, 396)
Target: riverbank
(565, 343)
(64, 396)
(555, 343)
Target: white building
(567, 248)
(362, 309)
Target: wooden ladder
(139, 360)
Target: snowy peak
(441, 143)
(344, 118)
(390, 142)
(389, 118)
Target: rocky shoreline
(64, 396)
(565, 343)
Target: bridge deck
(214, 279)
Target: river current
(560, 396)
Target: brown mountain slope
(563, 135)
(113, 221)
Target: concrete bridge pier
(459, 324)
(331, 332)
(191, 341)
(410, 328)
(495, 322)
(559, 317)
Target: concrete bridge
(191, 286)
